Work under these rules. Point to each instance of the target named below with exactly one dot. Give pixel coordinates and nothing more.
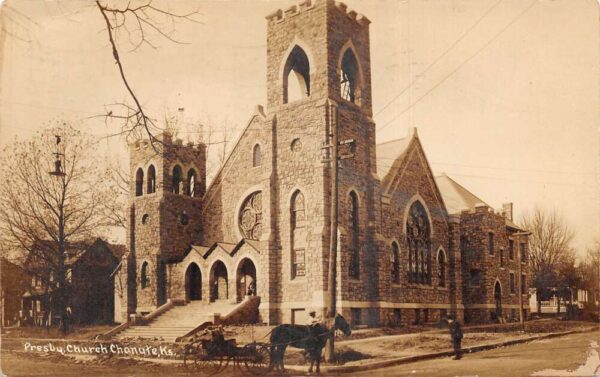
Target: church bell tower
(318, 83)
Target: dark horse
(310, 338)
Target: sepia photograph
(300, 187)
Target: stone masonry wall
(494, 266)
(162, 224)
(415, 182)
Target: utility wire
(460, 65)
(509, 179)
(500, 168)
(440, 57)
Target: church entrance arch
(218, 282)
(498, 299)
(246, 279)
(193, 283)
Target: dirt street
(573, 355)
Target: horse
(310, 338)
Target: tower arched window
(176, 182)
(441, 260)
(191, 183)
(354, 228)
(151, 180)
(296, 76)
(350, 77)
(144, 275)
(256, 156)
(395, 263)
(298, 234)
(139, 182)
(418, 239)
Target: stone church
(412, 247)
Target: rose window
(251, 216)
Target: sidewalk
(364, 365)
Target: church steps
(179, 321)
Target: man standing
(456, 334)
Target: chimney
(507, 211)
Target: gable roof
(259, 112)
(229, 248)
(387, 154)
(118, 250)
(458, 198)
(115, 250)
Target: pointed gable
(388, 152)
(394, 157)
(409, 176)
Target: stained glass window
(250, 217)
(418, 239)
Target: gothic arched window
(151, 180)
(441, 259)
(144, 275)
(395, 263)
(350, 84)
(297, 86)
(354, 233)
(298, 234)
(418, 239)
(250, 216)
(256, 156)
(176, 183)
(139, 182)
(191, 182)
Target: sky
(504, 93)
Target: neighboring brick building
(263, 224)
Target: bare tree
(115, 208)
(589, 269)
(549, 246)
(217, 137)
(568, 279)
(52, 195)
(138, 21)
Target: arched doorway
(219, 284)
(246, 279)
(193, 283)
(498, 299)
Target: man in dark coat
(456, 334)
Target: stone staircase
(178, 321)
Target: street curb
(435, 355)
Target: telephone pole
(333, 236)
(334, 158)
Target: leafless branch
(146, 19)
(43, 214)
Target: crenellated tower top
(318, 49)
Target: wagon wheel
(257, 358)
(209, 364)
(191, 352)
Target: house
(89, 284)
(14, 281)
